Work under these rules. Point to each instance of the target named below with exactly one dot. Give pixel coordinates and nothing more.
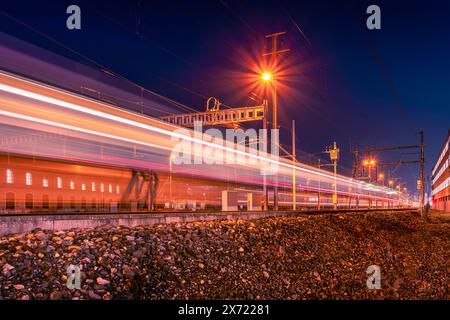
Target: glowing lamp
(266, 76)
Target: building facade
(440, 187)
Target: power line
(254, 34)
(297, 26)
(373, 50)
(102, 67)
(144, 38)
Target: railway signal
(334, 157)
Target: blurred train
(35, 184)
(64, 152)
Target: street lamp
(369, 163)
(266, 76)
(381, 178)
(171, 158)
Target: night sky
(343, 82)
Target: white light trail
(90, 111)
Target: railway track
(23, 223)
(205, 212)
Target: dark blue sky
(349, 84)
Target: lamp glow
(266, 76)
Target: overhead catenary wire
(297, 27)
(253, 33)
(97, 64)
(142, 37)
(106, 70)
(387, 79)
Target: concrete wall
(26, 223)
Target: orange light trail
(37, 103)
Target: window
(93, 186)
(110, 188)
(72, 185)
(28, 181)
(9, 176)
(117, 189)
(83, 187)
(45, 183)
(102, 187)
(59, 182)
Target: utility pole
(422, 174)
(334, 156)
(274, 54)
(370, 167)
(294, 182)
(335, 183)
(265, 192)
(318, 193)
(171, 158)
(356, 163)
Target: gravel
(303, 257)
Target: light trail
(69, 127)
(26, 89)
(79, 108)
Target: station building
(440, 186)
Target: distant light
(370, 162)
(266, 76)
